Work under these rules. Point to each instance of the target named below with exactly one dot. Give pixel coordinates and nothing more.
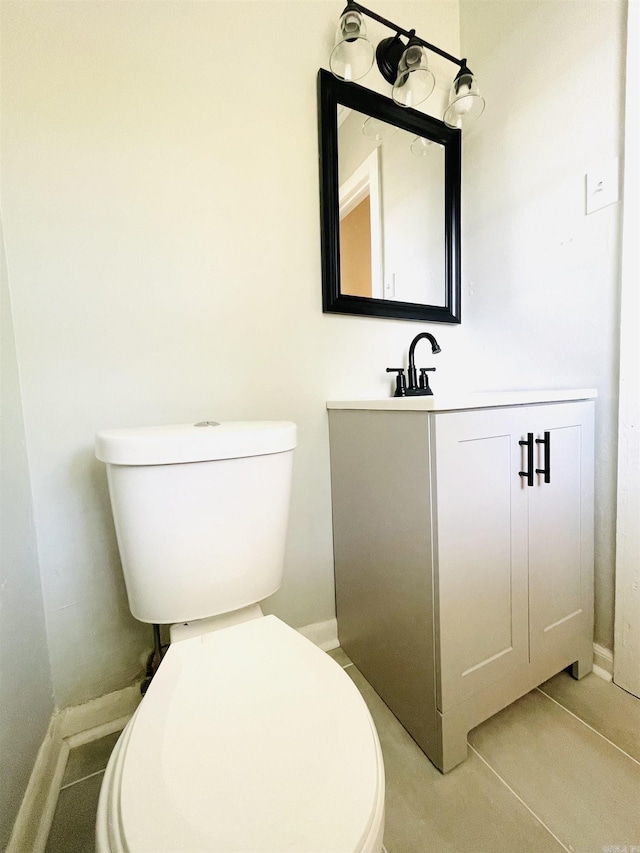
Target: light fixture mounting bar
(407, 34)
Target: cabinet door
(561, 531)
(480, 550)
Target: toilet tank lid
(202, 442)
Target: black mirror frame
(332, 92)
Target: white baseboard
(41, 794)
(602, 662)
(67, 728)
(97, 732)
(322, 634)
(80, 719)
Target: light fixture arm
(407, 33)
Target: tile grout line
(84, 779)
(630, 757)
(519, 798)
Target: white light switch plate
(602, 185)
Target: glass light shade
(352, 55)
(421, 146)
(466, 104)
(414, 82)
(377, 129)
(372, 129)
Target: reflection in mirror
(361, 269)
(390, 207)
(391, 186)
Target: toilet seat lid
(250, 739)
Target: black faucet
(423, 387)
(415, 388)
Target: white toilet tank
(201, 514)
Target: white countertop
(468, 400)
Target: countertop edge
(468, 400)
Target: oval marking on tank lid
(207, 423)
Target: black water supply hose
(154, 660)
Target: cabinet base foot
(453, 744)
(582, 666)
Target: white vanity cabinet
(462, 579)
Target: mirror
(390, 207)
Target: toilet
(249, 739)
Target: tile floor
(557, 770)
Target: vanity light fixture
(404, 65)
(352, 56)
(466, 104)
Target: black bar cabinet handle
(547, 457)
(529, 445)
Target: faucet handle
(424, 379)
(401, 385)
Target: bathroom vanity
(463, 539)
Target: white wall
(160, 189)
(26, 694)
(544, 276)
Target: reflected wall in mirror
(390, 207)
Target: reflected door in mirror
(355, 257)
(398, 181)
